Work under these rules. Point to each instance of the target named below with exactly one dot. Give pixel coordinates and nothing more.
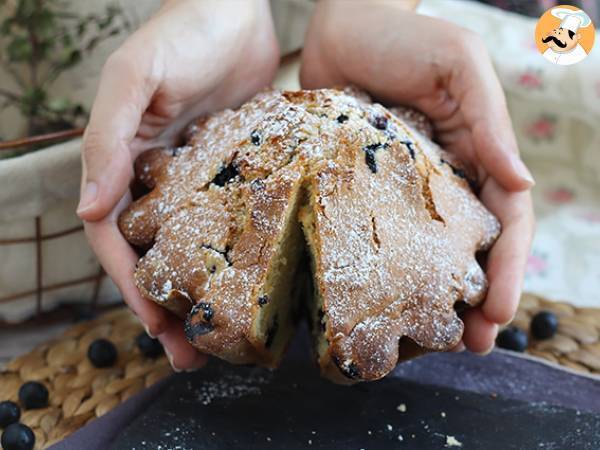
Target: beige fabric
(556, 113)
(35, 182)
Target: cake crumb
(401, 407)
(451, 441)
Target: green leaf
(43, 22)
(82, 27)
(6, 26)
(74, 57)
(79, 111)
(59, 104)
(93, 42)
(25, 9)
(105, 22)
(67, 40)
(31, 101)
(18, 49)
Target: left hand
(445, 72)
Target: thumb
(107, 156)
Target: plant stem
(10, 96)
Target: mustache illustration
(556, 41)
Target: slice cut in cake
(391, 225)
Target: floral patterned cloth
(556, 115)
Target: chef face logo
(564, 35)
(561, 40)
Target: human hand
(191, 58)
(444, 71)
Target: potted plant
(45, 258)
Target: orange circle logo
(564, 35)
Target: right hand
(191, 58)
(445, 72)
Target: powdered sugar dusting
(396, 228)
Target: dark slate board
(223, 407)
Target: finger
(119, 260)
(458, 348)
(475, 84)
(180, 353)
(480, 333)
(123, 94)
(507, 259)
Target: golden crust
(394, 228)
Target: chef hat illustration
(570, 19)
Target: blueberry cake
(389, 221)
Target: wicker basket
(48, 261)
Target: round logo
(564, 35)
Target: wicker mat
(80, 392)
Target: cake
(390, 222)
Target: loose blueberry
(342, 118)
(255, 137)
(544, 325)
(17, 437)
(512, 338)
(379, 122)
(9, 413)
(263, 300)
(149, 347)
(33, 395)
(102, 353)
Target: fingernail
(522, 170)
(485, 352)
(146, 329)
(459, 348)
(170, 358)
(88, 196)
(148, 332)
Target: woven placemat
(576, 344)
(79, 392)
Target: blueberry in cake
(389, 219)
